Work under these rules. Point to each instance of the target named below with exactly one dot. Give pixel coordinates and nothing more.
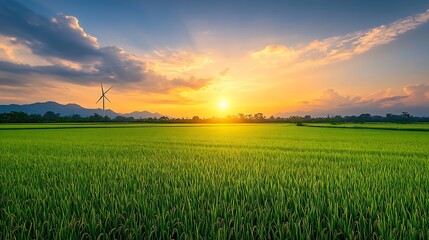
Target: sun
(223, 105)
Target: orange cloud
(338, 48)
(6, 51)
(415, 98)
(177, 63)
(418, 94)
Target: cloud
(157, 83)
(6, 51)
(179, 100)
(415, 99)
(177, 63)
(418, 94)
(60, 49)
(338, 48)
(183, 60)
(224, 72)
(60, 36)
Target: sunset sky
(215, 58)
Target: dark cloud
(24, 74)
(74, 55)
(117, 64)
(15, 68)
(60, 36)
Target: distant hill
(143, 114)
(70, 109)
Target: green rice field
(263, 181)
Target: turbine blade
(99, 98)
(102, 90)
(107, 99)
(108, 90)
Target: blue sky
(186, 56)
(153, 24)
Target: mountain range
(71, 109)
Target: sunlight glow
(223, 105)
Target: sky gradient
(216, 58)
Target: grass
(213, 181)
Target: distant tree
(338, 119)
(164, 118)
(195, 119)
(96, 118)
(366, 117)
(50, 116)
(19, 117)
(123, 119)
(76, 118)
(34, 118)
(405, 115)
(259, 116)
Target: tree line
(51, 117)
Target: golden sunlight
(223, 105)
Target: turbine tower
(103, 96)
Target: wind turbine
(103, 96)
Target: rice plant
(261, 181)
